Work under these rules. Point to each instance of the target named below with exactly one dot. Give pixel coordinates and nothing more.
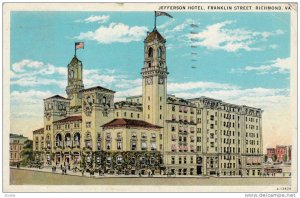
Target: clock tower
(154, 74)
(75, 84)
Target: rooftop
(154, 35)
(69, 119)
(56, 97)
(74, 60)
(39, 130)
(121, 122)
(99, 88)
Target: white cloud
(166, 24)
(218, 37)
(94, 18)
(115, 32)
(279, 65)
(174, 87)
(22, 65)
(121, 95)
(34, 73)
(127, 83)
(99, 19)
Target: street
(30, 177)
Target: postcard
(150, 97)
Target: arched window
(68, 139)
(104, 100)
(150, 52)
(77, 139)
(160, 51)
(71, 74)
(58, 140)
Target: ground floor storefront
(143, 163)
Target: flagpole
(75, 49)
(154, 20)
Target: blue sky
(241, 58)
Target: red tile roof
(121, 122)
(69, 119)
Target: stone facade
(153, 132)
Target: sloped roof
(154, 34)
(121, 122)
(69, 119)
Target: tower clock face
(149, 81)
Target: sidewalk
(96, 175)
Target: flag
(79, 45)
(158, 13)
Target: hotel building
(154, 132)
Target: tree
(274, 158)
(27, 152)
(266, 158)
(285, 158)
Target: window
(160, 116)
(160, 52)
(173, 128)
(150, 52)
(153, 146)
(212, 117)
(160, 136)
(144, 146)
(191, 171)
(124, 114)
(117, 114)
(184, 160)
(192, 159)
(173, 107)
(108, 145)
(88, 124)
(172, 160)
(131, 115)
(119, 160)
(179, 160)
(119, 145)
(104, 100)
(133, 146)
(138, 115)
